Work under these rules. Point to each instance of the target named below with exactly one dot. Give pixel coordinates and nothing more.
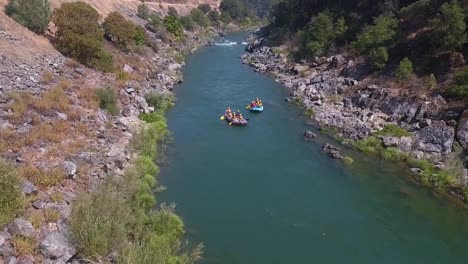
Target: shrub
(152, 117)
(119, 30)
(160, 101)
(108, 100)
(173, 25)
(214, 16)
(405, 70)
(33, 14)
(450, 26)
(379, 58)
(98, 221)
(369, 145)
(78, 34)
(104, 61)
(51, 215)
(431, 82)
(143, 11)
(200, 18)
(188, 23)
(10, 195)
(205, 8)
(140, 37)
(380, 34)
(348, 160)
(393, 130)
(172, 12)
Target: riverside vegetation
(388, 77)
(81, 135)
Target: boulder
(309, 135)
(391, 141)
(57, 246)
(127, 68)
(436, 139)
(69, 168)
(11, 260)
(28, 188)
(332, 151)
(22, 227)
(462, 130)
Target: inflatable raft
(235, 122)
(256, 109)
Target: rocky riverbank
(62, 143)
(413, 125)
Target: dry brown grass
(10, 139)
(72, 63)
(47, 77)
(42, 178)
(88, 98)
(56, 197)
(19, 106)
(54, 99)
(37, 218)
(23, 246)
(74, 114)
(44, 132)
(51, 215)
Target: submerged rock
(332, 151)
(309, 135)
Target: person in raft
(258, 102)
(228, 112)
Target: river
(261, 194)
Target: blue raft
(256, 109)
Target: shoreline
(369, 116)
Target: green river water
(261, 194)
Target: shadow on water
(261, 194)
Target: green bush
(160, 101)
(214, 16)
(393, 130)
(104, 61)
(108, 100)
(200, 18)
(143, 11)
(173, 25)
(172, 12)
(431, 82)
(99, 221)
(119, 30)
(140, 37)
(348, 160)
(152, 117)
(188, 23)
(33, 14)
(10, 195)
(369, 145)
(404, 71)
(450, 26)
(205, 8)
(381, 33)
(379, 58)
(459, 87)
(78, 34)
(321, 32)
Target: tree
(78, 34)
(200, 18)
(379, 58)
(404, 70)
(119, 30)
(450, 26)
(172, 12)
(214, 16)
(33, 14)
(340, 28)
(173, 25)
(205, 8)
(431, 81)
(188, 23)
(143, 11)
(381, 33)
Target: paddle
(247, 107)
(222, 117)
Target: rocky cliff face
(333, 90)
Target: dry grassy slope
(106, 6)
(27, 45)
